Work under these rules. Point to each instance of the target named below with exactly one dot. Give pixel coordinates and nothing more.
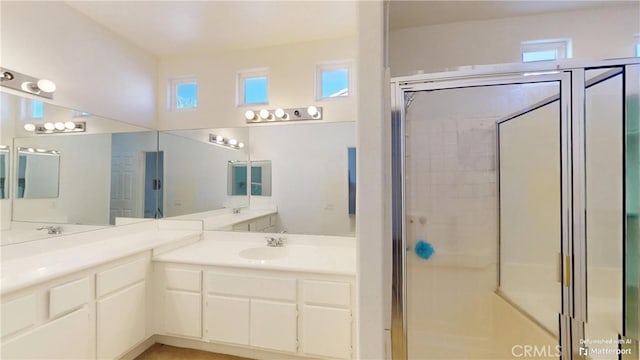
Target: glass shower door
(484, 199)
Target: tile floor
(166, 352)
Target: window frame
(241, 77)
(331, 66)
(173, 92)
(563, 48)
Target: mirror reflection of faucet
(51, 230)
(275, 242)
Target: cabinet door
(64, 338)
(227, 319)
(274, 325)
(183, 313)
(326, 331)
(121, 321)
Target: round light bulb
(240, 145)
(41, 150)
(46, 85)
(49, 126)
(30, 127)
(250, 115)
(233, 142)
(219, 138)
(280, 113)
(312, 111)
(264, 114)
(30, 150)
(70, 125)
(59, 126)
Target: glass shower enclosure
(515, 213)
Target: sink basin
(263, 253)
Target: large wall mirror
(302, 170)
(195, 169)
(76, 180)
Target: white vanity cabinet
(326, 318)
(121, 307)
(182, 298)
(65, 335)
(95, 313)
(255, 310)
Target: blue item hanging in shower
(423, 249)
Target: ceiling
(404, 14)
(173, 27)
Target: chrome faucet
(51, 230)
(236, 210)
(275, 242)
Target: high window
(333, 80)
(545, 50)
(253, 87)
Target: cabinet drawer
(185, 280)
(18, 314)
(326, 293)
(69, 296)
(252, 286)
(120, 276)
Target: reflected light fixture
(25, 83)
(56, 128)
(29, 150)
(280, 114)
(225, 142)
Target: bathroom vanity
(234, 291)
(163, 281)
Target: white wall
(309, 175)
(372, 203)
(597, 34)
(291, 82)
(94, 69)
(84, 181)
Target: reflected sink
(263, 253)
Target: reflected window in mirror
(261, 178)
(4, 172)
(38, 173)
(31, 109)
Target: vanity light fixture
(21, 82)
(279, 114)
(57, 127)
(228, 143)
(250, 115)
(266, 115)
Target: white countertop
(24, 271)
(225, 218)
(304, 253)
